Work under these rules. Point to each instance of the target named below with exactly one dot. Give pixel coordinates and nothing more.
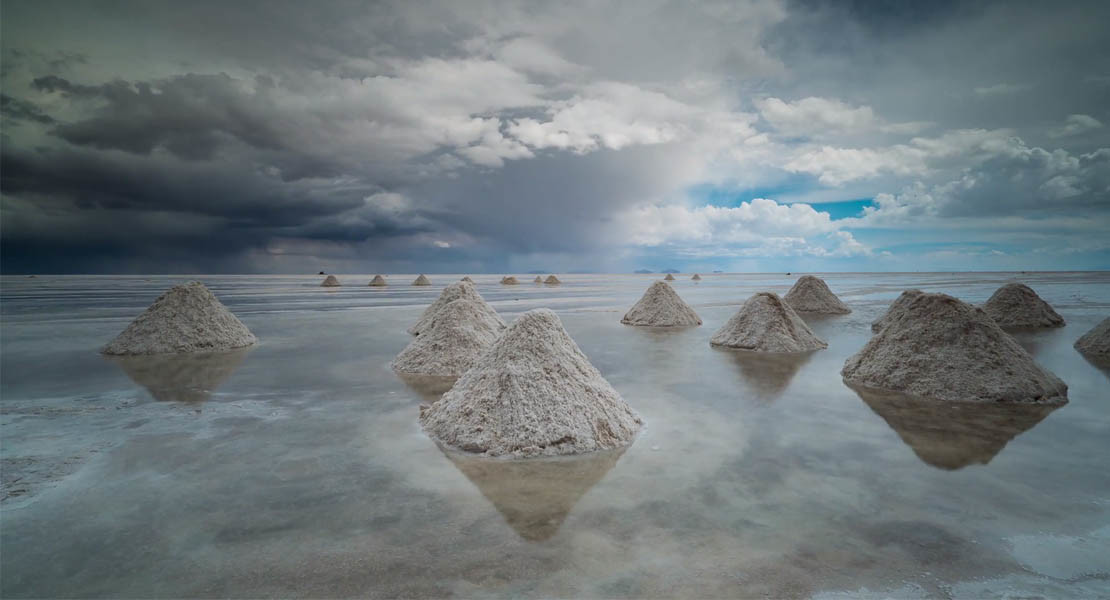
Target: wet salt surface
(299, 468)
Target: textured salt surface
(378, 281)
(669, 277)
(661, 306)
(533, 393)
(461, 289)
(811, 295)
(895, 309)
(1096, 342)
(696, 277)
(767, 324)
(538, 279)
(941, 348)
(1017, 306)
(421, 280)
(330, 281)
(452, 341)
(187, 318)
(552, 279)
(510, 280)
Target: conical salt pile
(452, 342)
(660, 306)
(896, 308)
(421, 280)
(552, 280)
(811, 295)
(538, 279)
(669, 277)
(378, 281)
(467, 278)
(941, 348)
(533, 393)
(1095, 344)
(187, 318)
(696, 277)
(330, 281)
(767, 324)
(510, 280)
(461, 289)
(1017, 306)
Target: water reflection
(953, 435)
(535, 495)
(767, 374)
(181, 377)
(430, 387)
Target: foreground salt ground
(747, 480)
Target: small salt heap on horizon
(669, 277)
(812, 295)
(765, 323)
(330, 281)
(538, 279)
(661, 306)
(467, 278)
(451, 342)
(509, 280)
(186, 318)
(1017, 306)
(378, 281)
(696, 277)
(421, 280)
(461, 289)
(552, 280)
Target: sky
(472, 136)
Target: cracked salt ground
(307, 474)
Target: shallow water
(298, 468)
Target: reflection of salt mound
(182, 377)
(768, 374)
(767, 324)
(510, 280)
(533, 393)
(669, 277)
(1095, 344)
(661, 306)
(1016, 305)
(461, 289)
(939, 347)
(330, 281)
(696, 277)
(452, 341)
(538, 279)
(378, 281)
(421, 280)
(811, 295)
(187, 318)
(895, 309)
(953, 435)
(535, 496)
(430, 387)
(552, 280)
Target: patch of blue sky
(733, 195)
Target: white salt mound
(552, 280)
(1016, 305)
(895, 309)
(187, 318)
(330, 281)
(661, 306)
(669, 277)
(467, 278)
(538, 279)
(534, 393)
(510, 280)
(421, 280)
(811, 295)
(452, 342)
(1096, 342)
(696, 277)
(461, 289)
(767, 324)
(378, 281)
(941, 348)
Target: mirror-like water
(298, 468)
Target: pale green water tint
(299, 469)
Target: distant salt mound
(510, 280)
(534, 393)
(811, 295)
(940, 348)
(538, 279)
(661, 306)
(1017, 306)
(467, 278)
(896, 308)
(421, 280)
(187, 318)
(669, 277)
(330, 281)
(767, 324)
(378, 281)
(461, 289)
(452, 342)
(696, 277)
(1095, 344)
(553, 280)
